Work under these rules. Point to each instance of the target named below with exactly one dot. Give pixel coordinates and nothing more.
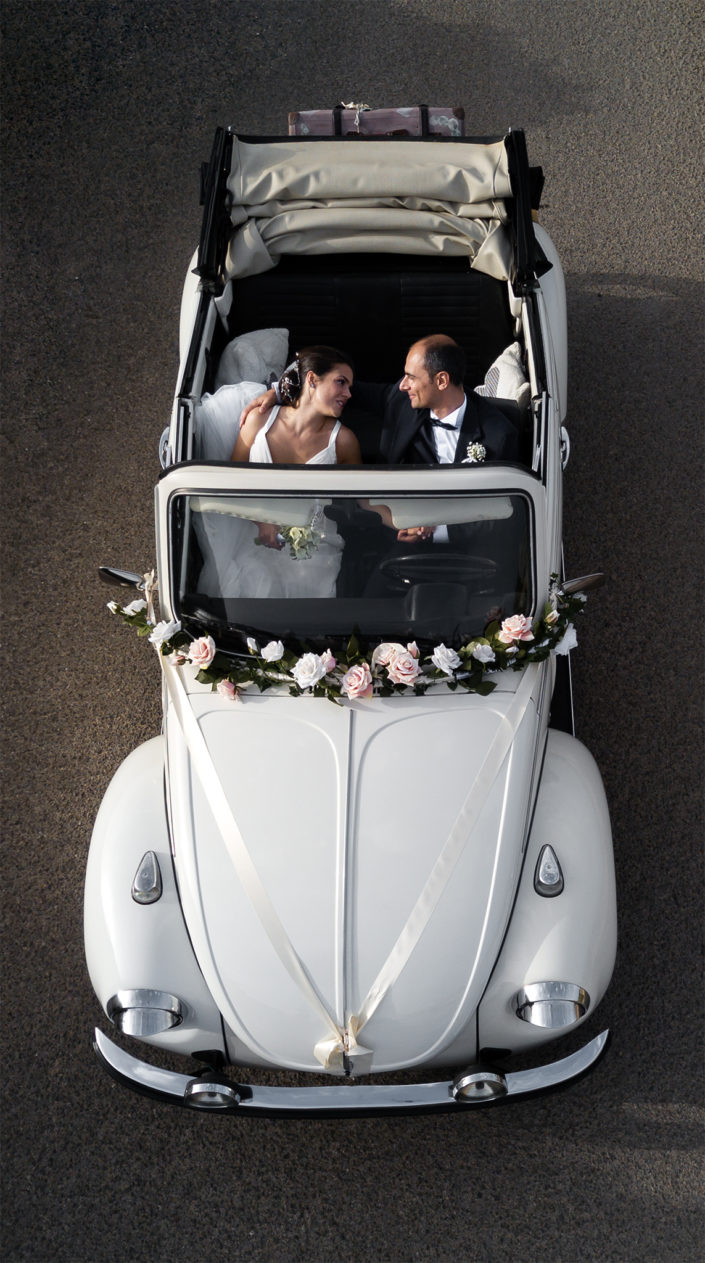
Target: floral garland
(389, 668)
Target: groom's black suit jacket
(402, 442)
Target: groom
(428, 418)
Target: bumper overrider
(215, 1093)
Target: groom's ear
(442, 380)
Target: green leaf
(206, 676)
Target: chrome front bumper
(217, 1094)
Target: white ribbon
(465, 821)
(240, 856)
(339, 1050)
(333, 1052)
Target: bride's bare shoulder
(347, 448)
(247, 434)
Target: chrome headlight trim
(143, 1012)
(551, 1005)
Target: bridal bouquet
(302, 540)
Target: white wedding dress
(236, 566)
(260, 452)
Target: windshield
(313, 570)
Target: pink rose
(403, 668)
(201, 652)
(383, 654)
(413, 649)
(518, 627)
(357, 682)
(328, 661)
(227, 689)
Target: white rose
(113, 607)
(483, 653)
(164, 631)
(308, 670)
(135, 607)
(273, 651)
(569, 641)
(446, 660)
(252, 645)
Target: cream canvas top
(313, 197)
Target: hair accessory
(290, 383)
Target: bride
(305, 429)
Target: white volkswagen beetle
(366, 841)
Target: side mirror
(585, 584)
(121, 578)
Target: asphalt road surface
(108, 110)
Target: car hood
(368, 867)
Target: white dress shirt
(447, 440)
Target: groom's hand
(262, 403)
(412, 534)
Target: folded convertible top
(297, 196)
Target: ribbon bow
(334, 1052)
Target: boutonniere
(476, 454)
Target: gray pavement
(108, 110)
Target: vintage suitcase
(361, 120)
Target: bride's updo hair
(313, 359)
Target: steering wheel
(411, 568)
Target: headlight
(144, 1012)
(551, 1004)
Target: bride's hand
(269, 535)
(263, 403)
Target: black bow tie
(445, 425)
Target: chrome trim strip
(341, 1098)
